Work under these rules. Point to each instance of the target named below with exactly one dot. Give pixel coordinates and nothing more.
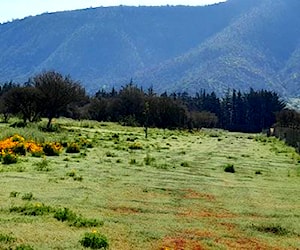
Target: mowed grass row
(169, 191)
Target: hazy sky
(13, 9)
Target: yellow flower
(94, 231)
(17, 138)
(33, 147)
(38, 204)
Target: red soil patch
(206, 214)
(194, 233)
(228, 226)
(187, 240)
(180, 244)
(191, 194)
(245, 244)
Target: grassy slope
(182, 199)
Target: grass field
(169, 191)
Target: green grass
(164, 192)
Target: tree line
(50, 94)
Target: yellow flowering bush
(17, 138)
(52, 148)
(17, 145)
(8, 143)
(34, 148)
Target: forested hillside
(237, 44)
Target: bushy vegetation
(52, 149)
(229, 168)
(73, 148)
(272, 229)
(9, 158)
(43, 165)
(65, 214)
(94, 240)
(50, 95)
(32, 209)
(288, 118)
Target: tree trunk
(49, 122)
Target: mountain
(259, 49)
(236, 44)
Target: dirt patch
(179, 243)
(228, 226)
(206, 214)
(244, 243)
(189, 239)
(199, 234)
(191, 194)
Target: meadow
(206, 189)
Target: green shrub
(43, 165)
(72, 173)
(148, 160)
(52, 149)
(37, 154)
(32, 209)
(245, 155)
(274, 229)
(84, 143)
(132, 161)
(115, 137)
(65, 214)
(78, 178)
(230, 157)
(136, 146)
(132, 139)
(13, 194)
(9, 158)
(185, 164)
(73, 148)
(84, 222)
(83, 154)
(229, 168)
(53, 128)
(94, 240)
(110, 154)
(27, 196)
(19, 149)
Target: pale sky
(16, 9)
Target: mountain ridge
(235, 44)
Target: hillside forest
(50, 94)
